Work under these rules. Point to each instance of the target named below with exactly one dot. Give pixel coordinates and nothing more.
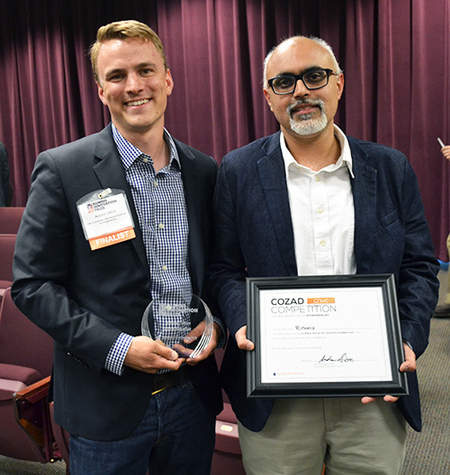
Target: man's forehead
(129, 51)
(299, 54)
(117, 44)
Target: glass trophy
(181, 319)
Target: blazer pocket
(387, 220)
(390, 241)
(77, 360)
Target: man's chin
(307, 127)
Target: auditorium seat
(26, 356)
(7, 243)
(61, 439)
(9, 225)
(10, 218)
(22, 343)
(227, 458)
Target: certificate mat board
(324, 336)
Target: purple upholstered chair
(10, 218)
(7, 243)
(26, 356)
(227, 458)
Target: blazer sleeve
(228, 271)
(392, 234)
(418, 286)
(43, 268)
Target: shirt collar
(345, 158)
(129, 153)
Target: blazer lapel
(195, 210)
(111, 174)
(365, 200)
(273, 179)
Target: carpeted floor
(427, 453)
(19, 467)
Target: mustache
(306, 102)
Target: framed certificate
(324, 336)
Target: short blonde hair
(122, 30)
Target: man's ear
(340, 85)
(101, 94)
(169, 83)
(267, 96)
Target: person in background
(443, 310)
(116, 221)
(5, 186)
(310, 200)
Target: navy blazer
(254, 238)
(85, 298)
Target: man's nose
(300, 89)
(134, 83)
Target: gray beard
(307, 125)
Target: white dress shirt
(323, 215)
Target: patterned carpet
(428, 453)
(19, 467)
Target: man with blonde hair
(117, 223)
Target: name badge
(106, 218)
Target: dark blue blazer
(254, 238)
(85, 298)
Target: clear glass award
(182, 319)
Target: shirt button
(164, 267)
(317, 178)
(155, 183)
(145, 160)
(161, 226)
(320, 210)
(323, 243)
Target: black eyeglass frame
(328, 72)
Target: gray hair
(319, 41)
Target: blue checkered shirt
(161, 208)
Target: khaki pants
(350, 437)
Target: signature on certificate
(331, 359)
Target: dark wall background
(395, 55)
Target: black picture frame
(397, 385)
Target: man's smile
(137, 103)
(304, 108)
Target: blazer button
(144, 294)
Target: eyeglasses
(313, 79)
